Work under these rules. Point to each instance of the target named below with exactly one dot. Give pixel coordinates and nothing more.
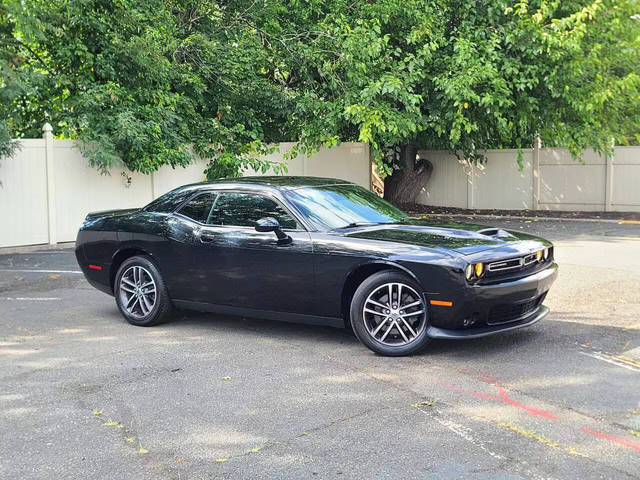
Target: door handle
(207, 237)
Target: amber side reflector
(441, 303)
(95, 267)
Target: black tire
(139, 315)
(359, 323)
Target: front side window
(199, 207)
(244, 210)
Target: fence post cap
(46, 128)
(537, 142)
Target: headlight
(539, 255)
(468, 272)
(546, 253)
(474, 270)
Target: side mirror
(267, 224)
(270, 224)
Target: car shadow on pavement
(548, 332)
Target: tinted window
(169, 201)
(198, 208)
(243, 210)
(336, 206)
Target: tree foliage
(141, 82)
(466, 75)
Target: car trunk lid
(111, 213)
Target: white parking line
(37, 299)
(465, 433)
(37, 271)
(43, 253)
(613, 360)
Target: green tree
(141, 83)
(461, 75)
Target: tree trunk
(405, 184)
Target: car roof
(275, 182)
(250, 184)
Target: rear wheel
(389, 314)
(140, 292)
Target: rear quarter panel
(102, 238)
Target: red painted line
(491, 380)
(619, 441)
(478, 375)
(532, 410)
(95, 267)
(503, 398)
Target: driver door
(227, 262)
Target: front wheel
(389, 314)
(140, 292)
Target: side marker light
(441, 303)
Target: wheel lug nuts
(401, 312)
(386, 311)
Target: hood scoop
(495, 233)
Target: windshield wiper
(355, 224)
(365, 224)
(394, 222)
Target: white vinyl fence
(48, 187)
(549, 180)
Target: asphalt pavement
(84, 395)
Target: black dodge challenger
(315, 250)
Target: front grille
(518, 265)
(505, 265)
(512, 263)
(509, 312)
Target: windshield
(340, 206)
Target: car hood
(462, 238)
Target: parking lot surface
(85, 395)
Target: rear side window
(169, 201)
(243, 210)
(199, 207)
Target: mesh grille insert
(509, 312)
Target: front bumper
(536, 316)
(480, 310)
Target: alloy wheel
(394, 314)
(137, 291)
